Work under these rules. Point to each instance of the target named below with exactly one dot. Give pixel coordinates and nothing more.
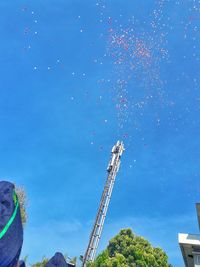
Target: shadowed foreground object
(57, 260)
(22, 264)
(11, 231)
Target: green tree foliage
(73, 260)
(41, 264)
(23, 202)
(129, 250)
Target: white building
(190, 245)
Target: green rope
(6, 227)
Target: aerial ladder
(112, 169)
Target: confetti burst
(136, 55)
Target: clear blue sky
(76, 76)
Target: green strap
(6, 227)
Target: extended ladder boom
(112, 170)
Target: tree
(41, 264)
(22, 202)
(129, 250)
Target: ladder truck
(112, 169)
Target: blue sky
(76, 76)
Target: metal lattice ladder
(113, 168)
